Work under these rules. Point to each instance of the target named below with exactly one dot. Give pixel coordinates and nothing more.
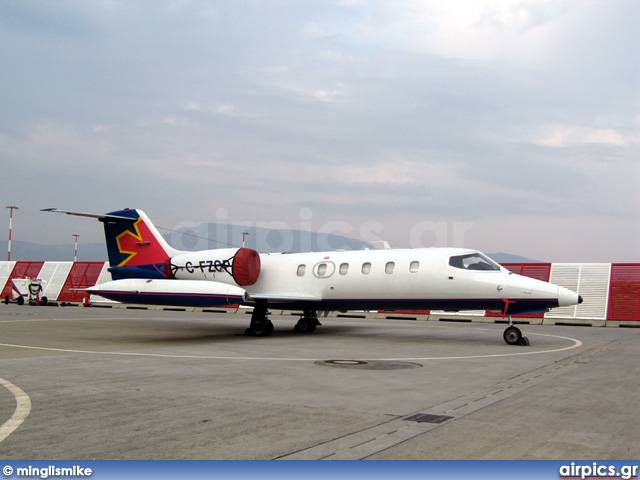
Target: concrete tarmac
(95, 383)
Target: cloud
(513, 30)
(394, 111)
(565, 135)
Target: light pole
(12, 208)
(75, 254)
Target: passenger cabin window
(414, 266)
(301, 269)
(344, 268)
(473, 261)
(366, 268)
(322, 269)
(389, 267)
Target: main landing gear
(513, 336)
(308, 322)
(261, 326)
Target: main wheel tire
(260, 329)
(512, 335)
(305, 325)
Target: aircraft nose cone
(567, 297)
(580, 299)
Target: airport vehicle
(146, 270)
(26, 288)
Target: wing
(274, 298)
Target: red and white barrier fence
(58, 281)
(611, 291)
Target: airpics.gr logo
(140, 246)
(598, 471)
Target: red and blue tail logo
(135, 248)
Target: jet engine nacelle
(234, 266)
(185, 293)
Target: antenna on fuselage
(384, 245)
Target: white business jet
(147, 270)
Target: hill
(204, 236)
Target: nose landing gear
(513, 336)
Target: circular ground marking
(345, 362)
(369, 365)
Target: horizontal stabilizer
(99, 216)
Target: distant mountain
(204, 236)
(261, 239)
(264, 240)
(28, 251)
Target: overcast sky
(506, 125)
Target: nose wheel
(513, 336)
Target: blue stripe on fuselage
(519, 306)
(173, 299)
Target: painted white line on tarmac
(23, 408)
(576, 343)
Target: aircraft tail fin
(135, 247)
(133, 241)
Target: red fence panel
(624, 292)
(539, 271)
(82, 275)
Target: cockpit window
(473, 261)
